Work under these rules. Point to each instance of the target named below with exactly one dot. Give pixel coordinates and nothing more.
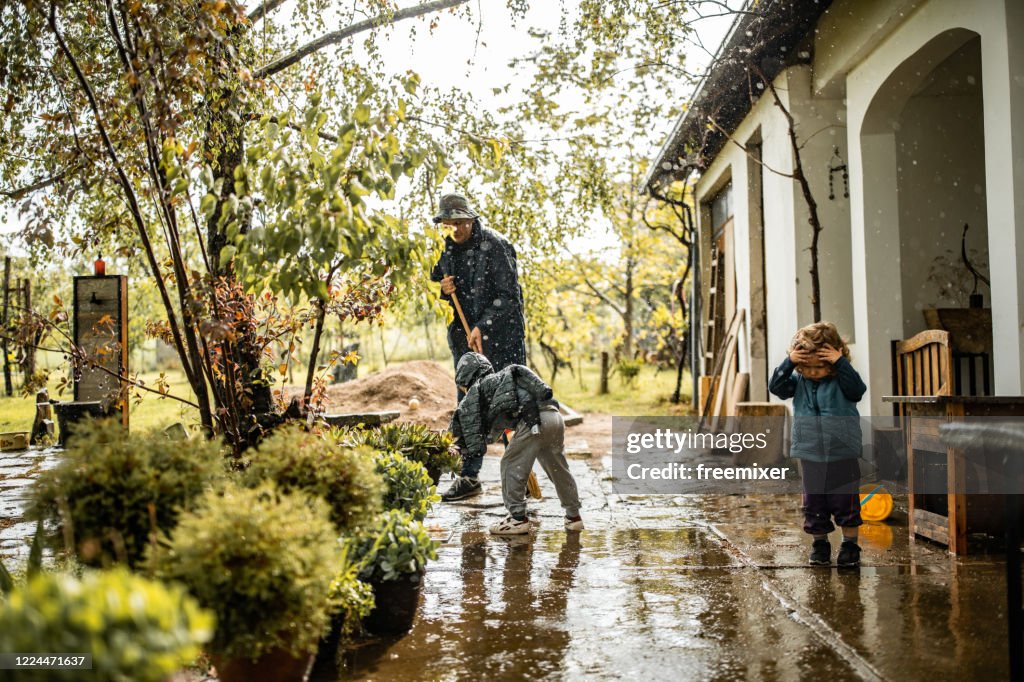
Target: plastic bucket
(875, 502)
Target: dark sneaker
(849, 554)
(463, 487)
(821, 553)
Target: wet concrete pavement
(17, 471)
(688, 587)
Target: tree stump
(767, 418)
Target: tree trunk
(8, 386)
(627, 316)
(29, 349)
(321, 312)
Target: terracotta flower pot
(396, 604)
(277, 665)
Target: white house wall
(787, 233)
(874, 202)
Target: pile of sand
(392, 388)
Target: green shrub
(628, 371)
(262, 561)
(415, 442)
(407, 485)
(115, 488)
(343, 477)
(135, 629)
(398, 546)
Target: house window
(721, 209)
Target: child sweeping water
(826, 436)
(514, 398)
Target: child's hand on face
(829, 354)
(798, 356)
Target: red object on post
(99, 268)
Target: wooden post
(604, 373)
(8, 387)
(42, 427)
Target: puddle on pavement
(599, 605)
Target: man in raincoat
(478, 265)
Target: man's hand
(476, 343)
(829, 354)
(448, 285)
(801, 357)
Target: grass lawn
(649, 393)
(17, 412)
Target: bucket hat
(454, 207)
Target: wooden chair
(923, 365)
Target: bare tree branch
(19, 192)
(264, 8)
(336, 37)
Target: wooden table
(963, 512)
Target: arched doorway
(923, 153)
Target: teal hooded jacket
(826, 423)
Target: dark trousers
(831, 490)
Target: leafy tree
(132, 121)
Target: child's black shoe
(821, 553)
(849, 554)
(463, 487)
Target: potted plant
(113, 489)
(344, 477)
(432, 449)
(353, 601)
(394, 559)
(407, 485)
(262, 561)
(134, 628)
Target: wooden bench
(928, 377)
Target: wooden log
(767, 418)
(361, 418)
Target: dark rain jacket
(494, 402)
(826, 423)
(487, 285)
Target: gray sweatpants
(548, 447)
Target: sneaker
(463, 487)
(849, 554)
(511, 526)
(574, 523)
(821, 553)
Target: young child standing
(514, 398)
(826, 436)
